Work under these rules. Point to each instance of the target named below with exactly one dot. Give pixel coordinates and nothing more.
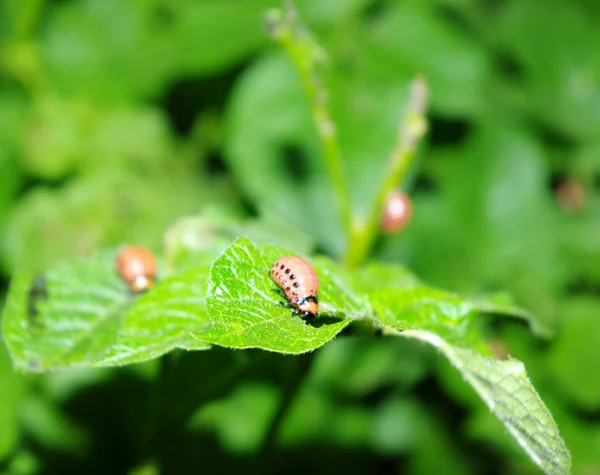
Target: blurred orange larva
(397, 212)
(137, 266)
(570, 195)
(299, 283)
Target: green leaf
(84, 314)
(162, 320)
(425, 308)
(100, 210)
(505, 388)
(57, 137)
(356, 367)
(412, 37)
(106, 66)
(551, 71)
(74, 319)
(246, 311)
(242, 419)
(502, 303)
(198, 240)
(272, 140)
(376, 275)
(50, 427)
(268, 118)
(232, 29)
(11, 393)
(574, 354)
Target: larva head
(142, 283)
(308, 307)
(137, 266)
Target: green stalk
(306, 54)
(412, 128)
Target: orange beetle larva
(397, 212)
(299, 283)
(137, 266)
(570, 195)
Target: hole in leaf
(37, 293)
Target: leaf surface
(507, 391)
(82, 314)
(246, 310)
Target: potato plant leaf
(503, 304)
(246, 311)
(425, 308)
(162, 320)
(507, 391)
(82, 314)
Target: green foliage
(182, 127)
(244, 310)
(11, 390)
(505, 388)
(85, 315)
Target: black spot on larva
(288, 288)
(292, 277)
(296, 284)
(287, 271)
(282, 266)
(295, 293)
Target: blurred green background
(117, 117)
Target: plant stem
(306, 54)
(412, 128)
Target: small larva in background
(571, 195)
(137, 266)
(397, 212)
(300, 284)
